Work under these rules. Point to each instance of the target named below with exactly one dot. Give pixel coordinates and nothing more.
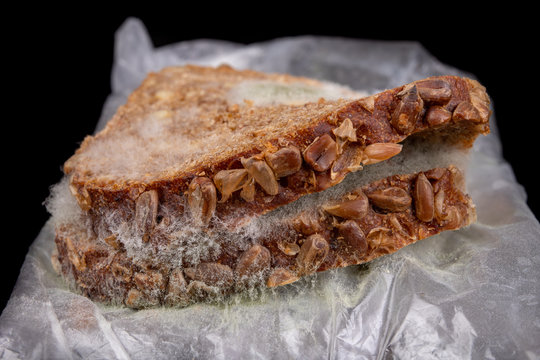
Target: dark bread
(371, 221)
(110, 171)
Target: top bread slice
(219, 144)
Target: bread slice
(218, 146)
(365, 223)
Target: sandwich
(210, 181)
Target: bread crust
(369, 222)
(373, 119)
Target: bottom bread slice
(370, 221)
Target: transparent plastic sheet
(472, 293)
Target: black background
(59, 64)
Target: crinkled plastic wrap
(472, 293)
